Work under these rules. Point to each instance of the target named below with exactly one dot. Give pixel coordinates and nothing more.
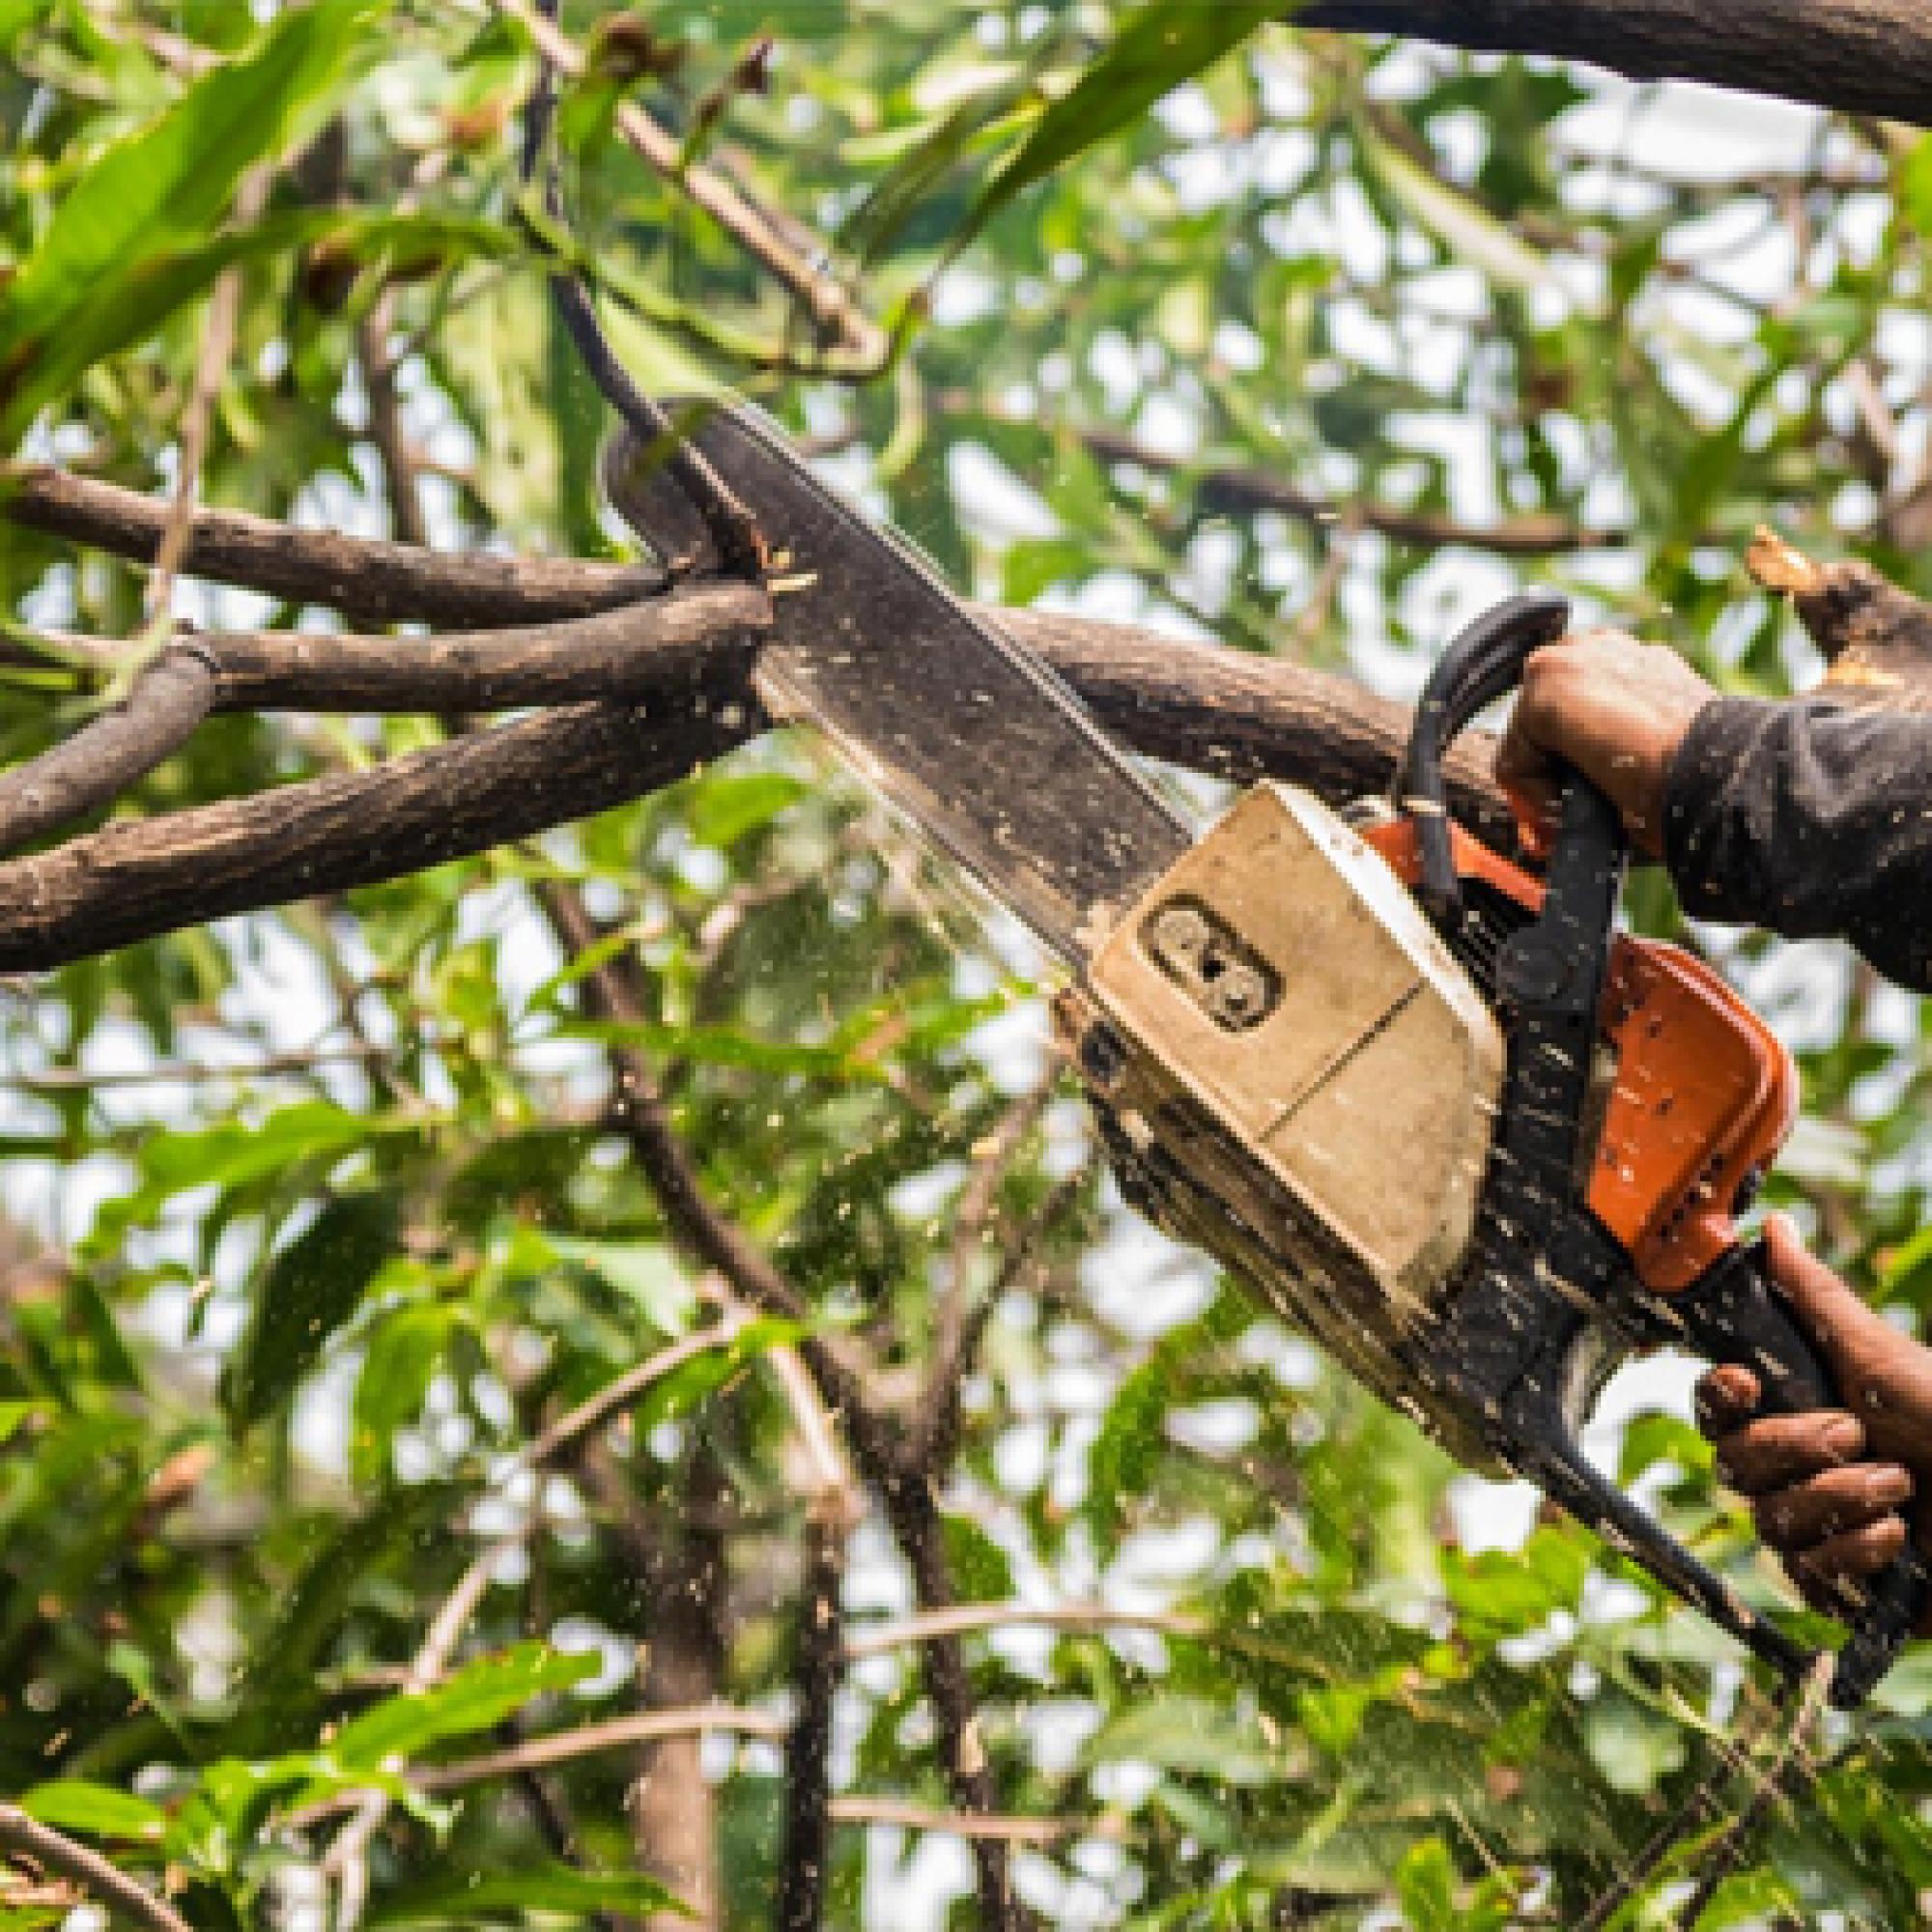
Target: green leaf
(1425, 1884)
(14, 1413)
(1186, 1734)
(397, 1370)
(551, 1888)
(1157, 48)
(161, 284)
(1508, 1592)
(1466, 228)
(648, 1273)
(688, 1384)
(726, 806)
(170, 184)
(73, 1805)
(478, 1696)
(16, 16)
(1635, 1746)
(1915, 184)
(1129, 1444)
(307, 1291)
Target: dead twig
(106, 1884)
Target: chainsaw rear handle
(1733, 1314)
(1549, 978)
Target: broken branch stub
(1876, 639)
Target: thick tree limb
(365, 578)
(110, 754)
(146, 876)
(1857, 56)
(1193, 704)
(633, 653)
(1876, 638)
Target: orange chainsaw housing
(1701, 1098)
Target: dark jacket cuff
(1711, 846)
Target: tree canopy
(606, 1377)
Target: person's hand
(1616, 710)
(1830, 1491)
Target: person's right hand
(1616, 710)
(1832, 1490)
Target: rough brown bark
(631, 653)
(109, 754)
(144, 876)
(364, 578)
(1193, 704)
(1859, 56)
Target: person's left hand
(1830, 1491)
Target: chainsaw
(1437, 1112)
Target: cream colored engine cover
(1282, 979)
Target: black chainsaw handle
(1733, 1314)
(1483, 661)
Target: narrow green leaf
(1466, 228)
(478, 1696)
(16, 16)
(1125, 1450)
(306, 1292)
(1157, 48)
(1424, 1883)
(73, 1805)
(174, 180)
(1915, 184)
(396, 1373)
(12, 1415)
(648, 1273)
(553, 1887)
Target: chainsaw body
(1299, 1074)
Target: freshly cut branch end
(1876, 638)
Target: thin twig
(625, 1389)
(956, 1620)
(196, 1073)
(347, 1860)
(105, 1883)
(862, 345)
(1003, 1828)
(211, 371)
(386, 417)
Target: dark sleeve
(1811, 820)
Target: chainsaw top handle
(1485, 661)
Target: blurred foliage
(263, 1404)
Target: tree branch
(102, 1880)
(1242, 490)
(1238, 717)
(630, 655)
(817, 1667)
(365, 578)
(110, 754)
(861, 344)
(1856, 56)
(147, 876)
